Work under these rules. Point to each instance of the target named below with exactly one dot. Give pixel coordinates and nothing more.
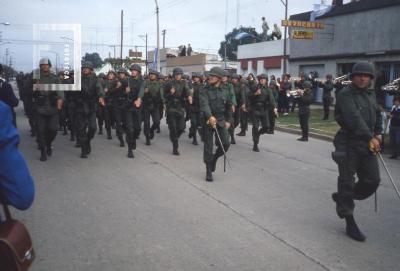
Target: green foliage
(94, 58)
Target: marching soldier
(356, 144)
(216, 107)
(261, 99)
(176, 94)
(227, 84)
(152, 98)
(327, 95)
(112, 84)
(240, 108)
(304, 101)
(100, 109)
(47, 103)
(134, 110)
(273, 85)
(195, 107)
(91, 94)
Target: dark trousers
(194, 122)
(259, 120)
(85, 123)
(47, 126)
(154, 114)
(327, 104)
(108, 117)
(352, 161)
(176, 126)
(133, 126)
(100, 114)
(209, 138)
(71, 120)
(395, 140)
(244, 120)
(303, 118)
(272, 118)
(119, 117)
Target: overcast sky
(199, 22)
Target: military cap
(87, 64)
(363, 67)
(226, 73)
(44, 61)
(151, 71)
(177, 70)
(262, 76)
(136, 67)
(196, 74)
(102, 75)
(217, 71)
(112, 71)
(235, 76)
(122, 70)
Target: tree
(94, 58)
(232, 43)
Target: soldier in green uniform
(134, 109)
(356, 144)
(195, 107)
(176, 94)
(86, 107)
(240, 94)
(304, 101)
(163, 80)
(47, 102)
(152, 98)
(261, 99)
(111, 85)
(216, 107)
(328, 87)
(228, 85)
(100, 109)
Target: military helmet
(122, 70)
(161, 76)
(235, 76)
(102, 75)
(196, 74)
(217, 71)
(45, 61)
(363, 67)
(136, 67)
(112, 71)
(151, 71)
(226, 73)
(307, 84)
(262, 76)
(87, 64)
(177, 70)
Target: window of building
(344, 68)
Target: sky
(203, 24)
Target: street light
(158, 38)
(144, 38)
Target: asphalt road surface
(272, 211)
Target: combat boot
(100, 130)
(121, 141)
(242, 133)
(49, 150)
(175, 148)
(195, 140)
(255, 147)
(233, 141)
(209, 177)
(88, 148)
(43, 155)
(130, 153)
(352, 229)
(72, 138)
(84, 153)
(148, 142)
(109, 137)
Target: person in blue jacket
(16, 184)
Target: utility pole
(146, 57)
(285, 3)
(226, 29)
(7, 53)
(163, 33)
(237, 12)
(158, 37)
(122, 33)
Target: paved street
(272, 211)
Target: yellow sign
(303, 24)
(302, 35)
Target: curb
(298, 132)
